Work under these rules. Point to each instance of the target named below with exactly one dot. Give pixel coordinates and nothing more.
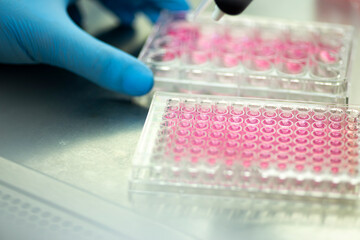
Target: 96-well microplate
(237, 146)
(250, 57)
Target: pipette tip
(217, 14)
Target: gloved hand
(41, 31)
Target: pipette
(222, 7)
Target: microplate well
(250, 57)
(231, 146)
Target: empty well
(250, 57)
(238, 146)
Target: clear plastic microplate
(232, 146)
(250, 57)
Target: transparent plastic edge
(143, 140)
(143, 186)
(46, 195)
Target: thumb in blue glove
(40, 31)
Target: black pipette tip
(232, 7)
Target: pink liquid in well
(257, 51)
(252, 136)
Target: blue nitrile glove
(41, 31)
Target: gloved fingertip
(185, 6)
(137, 80)
(182, 6)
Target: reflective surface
(68, 128)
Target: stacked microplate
(250, 57)
(238, 117)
